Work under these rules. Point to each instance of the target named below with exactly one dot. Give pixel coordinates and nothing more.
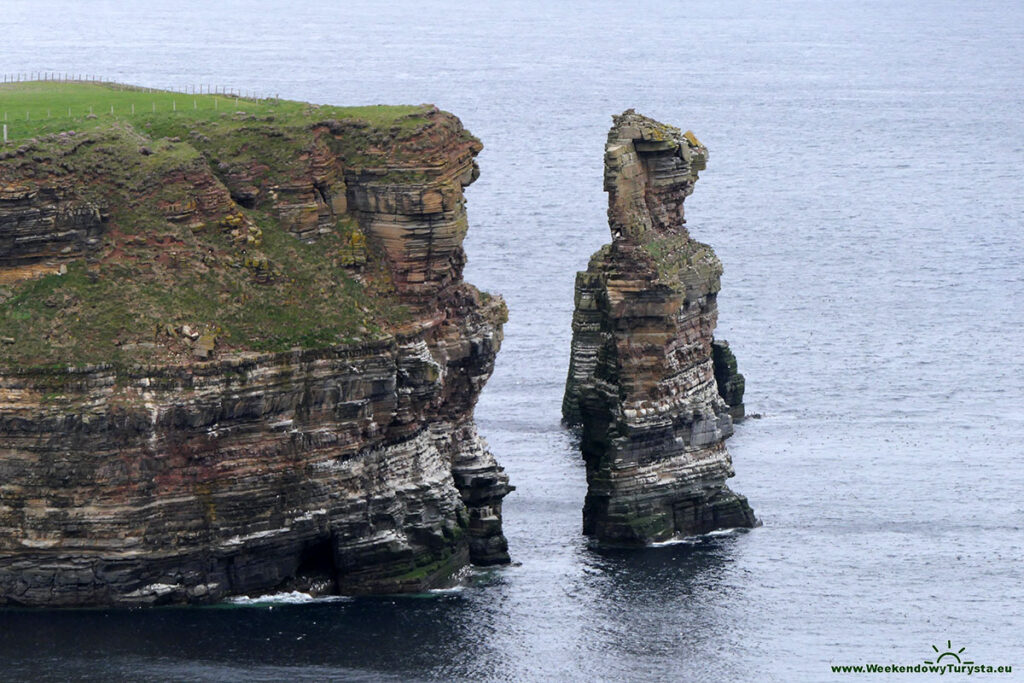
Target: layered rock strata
(168, 477)
(641, 379)
(41, 223)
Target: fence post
(5, 133)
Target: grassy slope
(152, 274)
(47, 103)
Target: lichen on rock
(641, 382)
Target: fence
(198, 89)
(194, 89)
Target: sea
(865, 192)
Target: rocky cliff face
(641, 379)
(241, 358)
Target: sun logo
(948, 653)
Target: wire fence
(192, 89)
(90, 110)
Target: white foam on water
(286, 598)
(691, 540)
(688, 540)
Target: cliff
(641, 378)
(237, 355)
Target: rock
(39, 223)
(204, 345)
(641, 379)
(353, 251)
(728, 378)
(417, 214)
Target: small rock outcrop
(641, 378)
(243, 359)
(727, 375)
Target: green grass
(37, 108)
(127, 302)
(681, 260)
(99, 314)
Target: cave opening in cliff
(245, 200)
(317, 571)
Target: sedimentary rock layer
(44, 223)
(349, 467)
(641, 381)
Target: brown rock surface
(641, 382)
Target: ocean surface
(865, 191)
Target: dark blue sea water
(865, 194)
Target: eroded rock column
(641, 380)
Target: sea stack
(238, 357)
(641, 378)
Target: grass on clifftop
(130, 300)
(36, 108)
